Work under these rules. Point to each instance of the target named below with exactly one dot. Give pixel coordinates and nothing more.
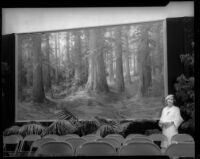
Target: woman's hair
(170, 96)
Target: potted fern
(30, 128)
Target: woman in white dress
(170, 120)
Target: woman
(170, 120)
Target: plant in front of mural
(185, 90)
(59, 127)
(13, 130)
(31, 128)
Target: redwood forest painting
(114, 72)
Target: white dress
(170, 114)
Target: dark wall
(8, 80)
(179, 36)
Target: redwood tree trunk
(77, 58)
(119, 65)
(48, 77)
(97, 76)
(128, 77)
(38, 89)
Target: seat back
(114, 142)
(53, 136)
(72, 135)
(184, 149)
(26, 144)
(91, 137)
(140, 149)
(158, 138)
(55, 148)
(75, 143)
(37, 144)
(134, 135)
(182, 138)
(118, 137)
(138, 139)
(12, 139)
(68, 136)
(11, 144)
(96, 149)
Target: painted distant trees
(97, 60)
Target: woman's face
(170, 101)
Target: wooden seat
(183, 149)
(96, 149)
(11, 144)
(140, 149)
(75, 143)
(68, 136)
(114, 142)
(37, 144)
(53, 136)
(138, 139)
(91, 137)
(118, 137)
(158, 138)
(26, 144)
(55, 149)
(182, 138)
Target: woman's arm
(177, 117)
(161, 123)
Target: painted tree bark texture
(38, 87)
(97, 77)
(119, 66)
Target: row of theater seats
(93, 145)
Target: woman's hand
(168, 124)
(161, 124)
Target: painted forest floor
(86, 105)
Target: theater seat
(68, 136)
(37, 144)
(134, 135)
(26, 144)
(91, 137)
(114, 142)
(138, 139)
(96, 149)
(184, 149)
(118, 137)
(158, 138)
(11, 144)
(75, 143)
(53, 136)
(55, 149)
(140, 149)
(182, 138)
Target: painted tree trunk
(97, 76)
(77, 58)
(38, 89)
(119, 66)
(47, 66)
